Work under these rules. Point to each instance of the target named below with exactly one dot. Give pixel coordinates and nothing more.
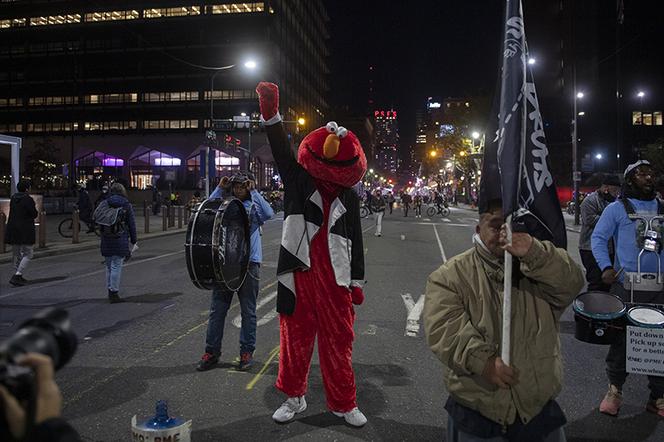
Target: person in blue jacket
(115, 243)
(638, 197)
(242, 187)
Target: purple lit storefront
(97, 168)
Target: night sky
(418, 49)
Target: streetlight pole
(576, 175)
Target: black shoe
(246, 361)
(208, 360)
(17, 281)
(114, 298)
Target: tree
(40, 164)
(654, 153)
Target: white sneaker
(353, 417)
(377, 234)
(289, 409)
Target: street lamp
(475, 135)
(532, 61)
(432, 154)
(641, 94)
(248, 64)
(576, 175)
(598, 156)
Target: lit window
(130, 97)
(172, 12)
(13, 23)
(109, 125)
(170, 96)
(112, 15)
(11, 102)
(55, 20)
(637, 118)
(11, 128)
(236, 8)
(170, 124)
(647, 119)
(657, 118)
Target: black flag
(518, 149)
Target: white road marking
(414, 312)
(85, 275)
(447, 220)
(440, 244)
(237, 321)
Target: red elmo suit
(321, 260)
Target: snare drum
(217, 244)
(645, 316)
(599, 317)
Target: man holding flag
(501, 352)
(462, 319)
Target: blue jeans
(221, 302)
(113, 272)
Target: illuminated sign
(434, 105)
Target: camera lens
(48, 332)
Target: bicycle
(66, 228)
(441, 209)
(364, 211)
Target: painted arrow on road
(414, 310)
(237, 321)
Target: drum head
(599, 305)
(234, 246)
(646, 317)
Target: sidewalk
(57, 245)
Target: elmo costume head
(334, 154)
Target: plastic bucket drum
(644, 316)
(599, 317)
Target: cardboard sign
(645, 351)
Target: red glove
(268, 98)
(356, 295)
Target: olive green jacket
(463, 323)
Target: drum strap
(629, 208)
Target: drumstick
(620, 271)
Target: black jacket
(21, 223)
(53, 430)
(303, 216)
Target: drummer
(242, 187)
(638, 197)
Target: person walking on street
(637, 198)
(379, 209)
(156, 201)
(20, 231)
(405, 202)
(390, 201)
(102, 196)
(488, 399)
(242, 187)
(591, 209)
(115, 216)
(417, 202)
(84, 206)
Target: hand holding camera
(48, 400)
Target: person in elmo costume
(321, 260)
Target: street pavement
(135, 353)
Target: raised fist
(268, 98)
(357, 295)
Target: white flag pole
(507, 298)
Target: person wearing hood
(84, 205)
(637, 197)
(20, 231)
(591, 209)
(115, 240)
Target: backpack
(112, 220)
